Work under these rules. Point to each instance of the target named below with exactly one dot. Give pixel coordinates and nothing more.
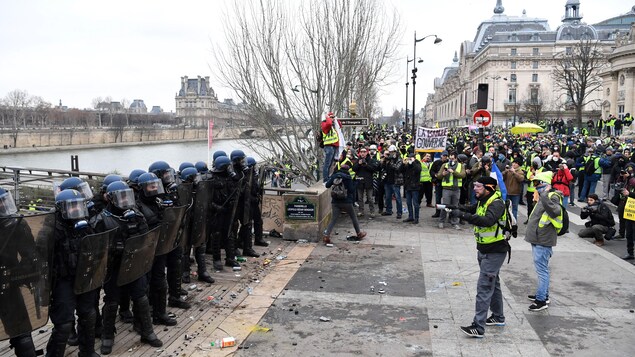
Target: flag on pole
(342, 141)
(496, 174)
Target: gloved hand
(455, 213)
(588, 224)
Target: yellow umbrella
(526, 128)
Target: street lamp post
(405, 115)
(414, 78)
(495, 78)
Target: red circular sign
(482, 117)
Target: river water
(123, 159)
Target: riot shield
(138, 255)
(198, 217)
(172, 218)
(92, 261)
(26, 250)
(186, 194)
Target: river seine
(122, 159)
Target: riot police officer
(173, 258)
(222, 208)
(121, 213)
(98, 201)
(243, 208)
(71, 226)
(14, 316)
(256, 200)
(191, 175)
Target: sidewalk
(430, 277)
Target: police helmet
(151, 185)
(236, 155)
(251, 162)
(163, 171)
(120, 195)
(7, 204)
(185, 165)
(133, 178)
(201, 166)
(71, 204)
(218, 154)
(110, 179)
(78, 184)
(189, 174)
(221, 163)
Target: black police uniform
(243, 212)
(224, 201)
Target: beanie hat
(489, 182)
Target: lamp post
(414, 77)
(419, 60)
(495, 78)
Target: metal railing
(33, 188)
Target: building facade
(197, 103)
(516, 56)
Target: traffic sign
(354, 121)
(482, 117)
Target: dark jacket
(392, 169)
(411, 175)
(347, 182)
(599, 214)
(364, 171)
(494, 212)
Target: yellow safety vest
(491, 234)
(546, 219)
(32, 206)
(331, 137)
(530, 187)
(425, 172)
(451, 181)
(350, 164)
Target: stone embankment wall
(93, 136)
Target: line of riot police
(133, 239)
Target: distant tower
(499, 9)
(572, 11)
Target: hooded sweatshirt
(547, 235)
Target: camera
(618, 186)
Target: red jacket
(561, 181)
(326, 127)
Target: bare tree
(576, 74)
(534, 105)
(305, 58)
(18, 102)
(41, 111)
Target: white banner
(431, 139)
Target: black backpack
(589, 167)
(338, 190)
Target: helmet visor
(85, 190)
(7, 204)
(123, 199)
(168, 176)
(152, 188)
(74, 209)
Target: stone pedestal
(306, 213)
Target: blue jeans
(389, 190)
(589, 186)
(515, 200)
(412, 201)
(329, 154)
(488, 288)
(565, 201)
(541, 256)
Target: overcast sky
(78, 50)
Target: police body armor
(137, 256)
(92, 261)
(170, 227)
(198, 231)
(26, 253)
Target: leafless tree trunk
(576, 74)
(18, 101)
(294, 61)
(536, 106)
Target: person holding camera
(391, 165)
(364, 168)
(451, 176)
(513, 177)
(411, 169)
(601, 220)
(561, 182)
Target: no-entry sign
(482, 117)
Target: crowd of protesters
(384, 167)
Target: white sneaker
(440, 225)
(456, 226)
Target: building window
(512, 78)
(534, 77)
(511, 95)
(535, 51)
(567, 50)
(514, 51)
(534, 64)
(513, 64)
(534, 95)
(620, 111)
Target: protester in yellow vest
(545, 222)
(451, 176)
(425, 181)
(488, 217)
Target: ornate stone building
(196, 104)
(515, 56)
